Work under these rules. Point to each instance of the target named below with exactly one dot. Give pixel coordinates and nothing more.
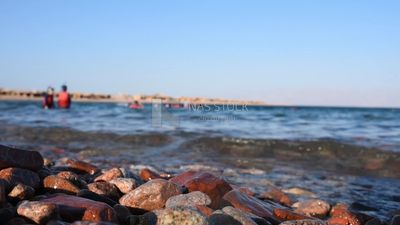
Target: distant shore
(12, 94)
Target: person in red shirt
(64, 99)
(48, 100)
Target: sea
(339, 154)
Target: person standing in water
(64, 99)
(48, 100)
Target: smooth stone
(205, 182)
(179, 215)
(252, 205)
(341, 214)
(84, 193)
(277, 195)
(13, 176)
(104, 189)
(238, 215)
(205, 210)
(190, 199)
(21, 192)
(78, 208)
(110, 174)
(73, 178)
(286, 214)
(13, 157)
(124, 185)
(147, 174)
(54, 183)
(39, 212)
(313, 207)
(82, 167)
(304, 222)
(151, 195)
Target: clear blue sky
(283, 52)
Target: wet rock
(147, 174)
(82, 167)
(277, 195)
(109, 175)
(313, 207)
(205, 182)
(286, 214)
(124, 185)
(151, 195)
(222, 219)
(13, 176)
(304, 222)
(122, 213)
(179, 215)
(238, 215)
(57, 184)
(47, 162)
(190, 199)
(395, 220)
(73, 178)
(74, 208)
(84, 193)
(21, 192)
(12, 157)
(104, 189)
(39, 212)
(251, 204)
(341, 214)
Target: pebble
(147, 174)
(277, 195)
(39, 212)
(73, 178)
(12, 157)
(251, 204)
(82, 167)
(178, 215)
(110, 174)
(151, 195)
(313, 207)
(124, 185)
(104, 189)
(191, 199)
(57, 184)
(78, 208)
(205, 182)
(21, 192)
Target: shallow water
(340, 154)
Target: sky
(342, 53)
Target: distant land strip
(12, 94)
